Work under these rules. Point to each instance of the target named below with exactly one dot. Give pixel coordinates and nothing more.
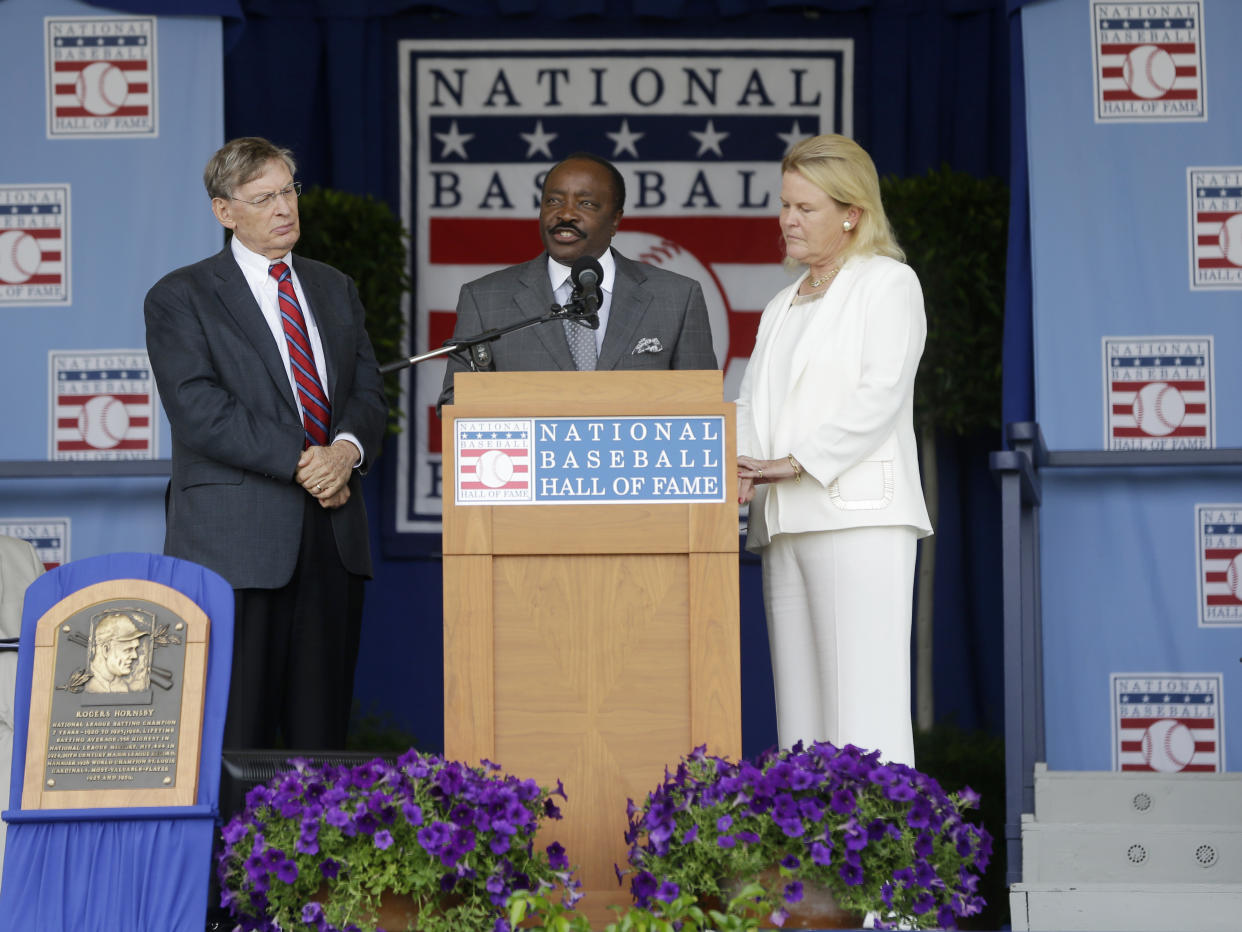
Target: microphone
(587, 275)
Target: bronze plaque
(117, 699)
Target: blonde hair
(241, 160)
(843, 170)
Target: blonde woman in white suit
(828, 461)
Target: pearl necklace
(820, 282)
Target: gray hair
(241, 160)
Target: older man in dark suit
(276, 406)
(650, 318)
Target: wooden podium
(595, 644)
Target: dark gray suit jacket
(647, 302)
(237, 433)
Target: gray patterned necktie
(581, 339)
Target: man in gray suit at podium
(650, 318)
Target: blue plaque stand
(103, 870)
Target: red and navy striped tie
(316, 411)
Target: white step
(1125, 907)
(1069, 852)
(1138, 798)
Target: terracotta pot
(397, 912)
(817, 909)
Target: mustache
(569, 226)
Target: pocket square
(647, 345)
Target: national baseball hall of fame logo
(1218, 530)
(1148, 62)
(48, 536)
(697, 129)
(100, 75)
(1168, 722)
(1158, 393)
(34, 244)
(1215, 208)
(102, 406)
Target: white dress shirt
(559, 274)
(266, 293)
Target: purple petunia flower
(923, 845)
(790, 862)
(821, 854)
(235, 831)
(668, 892)
(842, 802)
(724, 823)
(312, 912)
(851, 873)
(383, 839)
(923, 903)
(329, 868)
(557, 858)
(287, 871)
(413, 812)
(643, 887)
(793, 892)
(726, 841)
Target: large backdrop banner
(108, 120)
(697, 128)
(1135, 151)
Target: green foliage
(364, 239)
(954, 230)
(538, 913)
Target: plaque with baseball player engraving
(116, 699)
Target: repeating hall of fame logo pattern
(1168, 722)
(697, 130)
(1215, 209)
(48, 536)
(1218, 531)
(102, 406)
(101, 76)
(1158, 393)
(1148, 62)
(34, 244)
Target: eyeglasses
(265, 200)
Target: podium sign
(606, 460)
(592, 636)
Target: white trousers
(838, 605)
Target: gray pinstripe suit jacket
(237, 434)
(646, 302)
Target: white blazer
(849, 416)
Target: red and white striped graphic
(1167, 723)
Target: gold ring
(760, 472)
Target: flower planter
(398, 912)
(818, 908)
